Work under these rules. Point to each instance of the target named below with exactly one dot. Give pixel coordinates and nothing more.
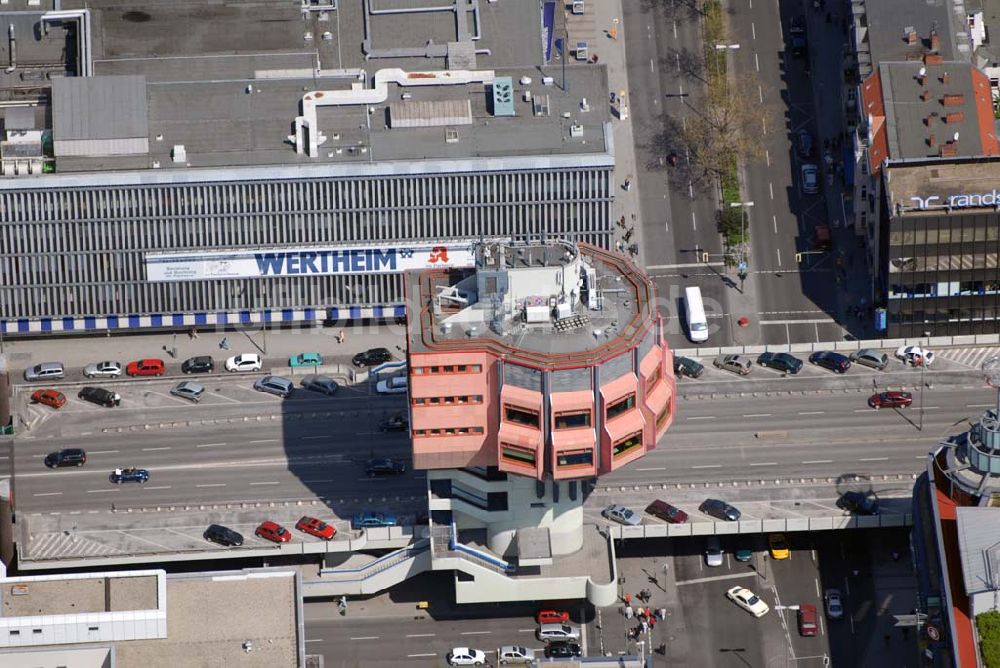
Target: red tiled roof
(874, 108)
(984, 112)
(963, 632)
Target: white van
(695, 309)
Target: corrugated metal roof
(19, 118)
(979, 546)
(101, 107)
(431, 113)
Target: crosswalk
(972, 357)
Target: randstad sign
(260, 263)
(961, 201)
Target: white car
(394, 385)
(622, 515)
(910, 355)
(748, 600)
(103, 370)
(244, 362)
(465, 656)
(810, 179)
(713, 552)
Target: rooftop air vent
(503, 96)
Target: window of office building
(619, 406)
(522, 416)
(653, 379)
(517, 455)
(627, 444)
(572, 419)
(570, 458)
(663, 416)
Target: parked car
(52, 398)
(394, 385)
(244, 362)
(856, 502)
(465, 656)
(221, 535)
(915, 355)
(509, 654)
(685, 366)
(67, 457)
(100, 396)
(45, 371)
(806, 619)
(306, 359)
(622, 515)
(720, 510)
(743, 554)
(276, 385)
(876, 359)
(368, 520)
(778, 545)
(398, 422)
(834, 604)
(131, 474)
(552, 616)
(780, 362)
(562, 650)
(748, 600)
(103, 370)
(805, 144)
(550, 632)
(810, 179)
(273, 532)
(315, 527)
(890, 399)
(384, 466)
(146, 367)
(188, 390)
(199, 364)
(666, 512)
(713, 551)
(372, 357)
(322, 384)
(829, 360)
(740, 364)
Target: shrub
(988, 625)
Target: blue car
(372, 520)
(780, 362)
(306, 359)
(118, 476)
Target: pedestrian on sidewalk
(224, 343)
(341, 336)
(629, 613)
(628, 598)
(652, 623)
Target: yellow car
(779, 546)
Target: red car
(49, 398)
(893, 399)
(150, 367)
(552, 617)
(807, 620)
(315, 527)
(273, 532)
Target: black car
(372, 356)
(780, 362)
(69, 457)
(720, 510)
(856, 502)
(200, 364)
(223, 536)
(685, 366)
(833, 361)
(384, 466)
(395, 423)
(562, 650)
(100, 396)
(119, 476)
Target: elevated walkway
(377, 575)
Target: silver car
(870, 357)
(103, 370)
(740, 364)
(323, 384)
(188, 390)
(622, 515)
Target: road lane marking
(270, 482)
(774, 219)
(756, 62)
(100, 491)
(701, 417)
(708, 466)
(686, 265)
(48, 494)
(314, 640)
(716, 578)
(757, 415)
(862, 410)
(213, 484)
(415, 656)
(365, 638)
(157, 487)
(165, 447)
(875, 459)
(312, 438)
(811, 412)
(476, 633)
(779, 256)
(694, 223)
(420, 635)
(818, 461)
(651, 68)
(770, 187)
(979, 405)
(764, 464)
(265, 440)
(654, 468)
(208, 445)
(104, 452)
(753, 30)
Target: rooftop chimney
(945, 78)
(935, 41)
(929, 121)
(949, 150)
(933, 59)
(953, 100)
(926, 95)
(954, 117)
(932, 141)
(922, 76)
(911, 36)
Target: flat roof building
(167, 174)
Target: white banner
(261, 263)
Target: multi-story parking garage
(167, 191)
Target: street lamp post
(742, 251)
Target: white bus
(695, 310)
